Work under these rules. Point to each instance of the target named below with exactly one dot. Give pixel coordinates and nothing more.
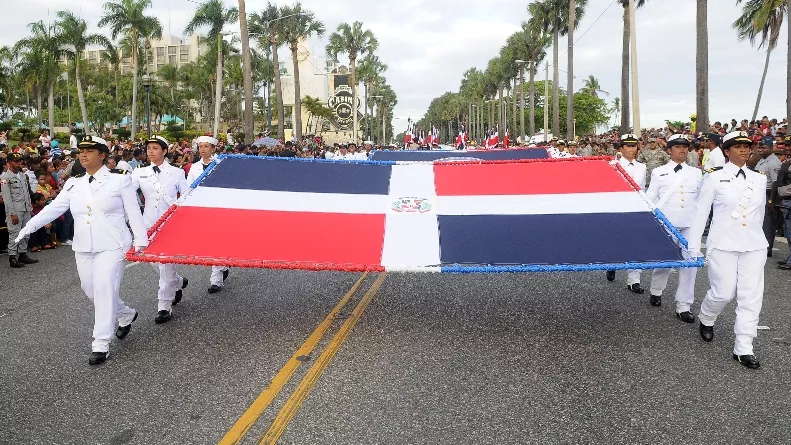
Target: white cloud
(429, 44)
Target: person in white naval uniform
(715, 158)
(674, 190)
(736, 245)
(161, 184)
(637, 171)
(206, 147)
(101, 201)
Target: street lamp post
(100, 123)
(522, 99)
(147, 81)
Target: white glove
(695, 253)
(22, 233)
(139, 248)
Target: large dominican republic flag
(502, 216)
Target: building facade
(169, 50)
(330, 83)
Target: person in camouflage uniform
(653, 157)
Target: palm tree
(312, 105)
(214, 15)
(112, 56)
(530, 45)
(764, 17)
(43, 48)
(702, 66)
(552, 17)
(75, 39)
(29, 72)
(128, 17)
(370, 70)
(627, 35)
(247, 62)
(616, 107)
(267, 24)
(354, 41)
(591, 86)
(298, 24)
(576, 9)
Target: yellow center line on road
(294, 402)
(259, 405)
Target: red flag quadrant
(443, 217)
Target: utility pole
(248, 76)
(635, 88)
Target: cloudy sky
(429, 44)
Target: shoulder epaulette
(713, 169)
(79, 175)
(120, 172)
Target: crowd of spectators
(48, 166)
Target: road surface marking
(259, 405)
(294, 402)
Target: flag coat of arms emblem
(496, 216)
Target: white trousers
(216, 275)
(100, 278)
(169, 282)
(685, 293)
(740, 275)
(633, 276)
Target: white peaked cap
(207, 139)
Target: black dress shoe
(97, 358)
(706, 332)
(784, 267)
(179, 294)
(14, 262)
(213, 289)
(686, 317)
(610, 275)
(781, 262)
(748, 361)
(24, 259)
(122, 331)
(163, 317)
(636, 288)
(656, 300)
(225, 274)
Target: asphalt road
(509, 359)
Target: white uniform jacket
(161, 190)
(195, 171)
(677, 192)
(739, 208)
(100, 209)
(636, 170)
(716, 159)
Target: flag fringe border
(451, 268)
